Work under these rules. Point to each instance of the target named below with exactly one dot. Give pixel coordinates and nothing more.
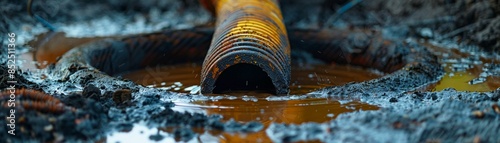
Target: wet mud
(417, 49)
(185, 78)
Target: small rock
(496, 108)
(478, 114)
(426, 32)
(393, 100)
(122, 96)
(91, 91)
(156, 137)
(253, 127)
(48, 128)
(434, 96)
(184, 134)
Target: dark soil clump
(387, 35)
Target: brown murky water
(468, 80)
(185, 78)
(257, 107)
(463, 71)
(285, 111)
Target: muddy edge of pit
(106, 104)
(416, 116)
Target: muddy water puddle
(262, 107)
(266, 111)
(465, 71)
(474, 78)
(185, 78)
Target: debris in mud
(184, 134)
(496, 108)
(156, 137)
(448, 119)
(91, 91)
(478, 114)
(122, 96)
(97, 102)
(87, 122)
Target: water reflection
(140, 133)
(284, 111)
(251, 106)
(291, 111)
(305, 78)
(465, 71)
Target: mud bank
(105, 104)
(446, 116)
(96, 104)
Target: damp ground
(461, 105)
(248, 106)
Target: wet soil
(415, 100)
(248, 106)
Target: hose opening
(244, 77)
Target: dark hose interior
(244, 77)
